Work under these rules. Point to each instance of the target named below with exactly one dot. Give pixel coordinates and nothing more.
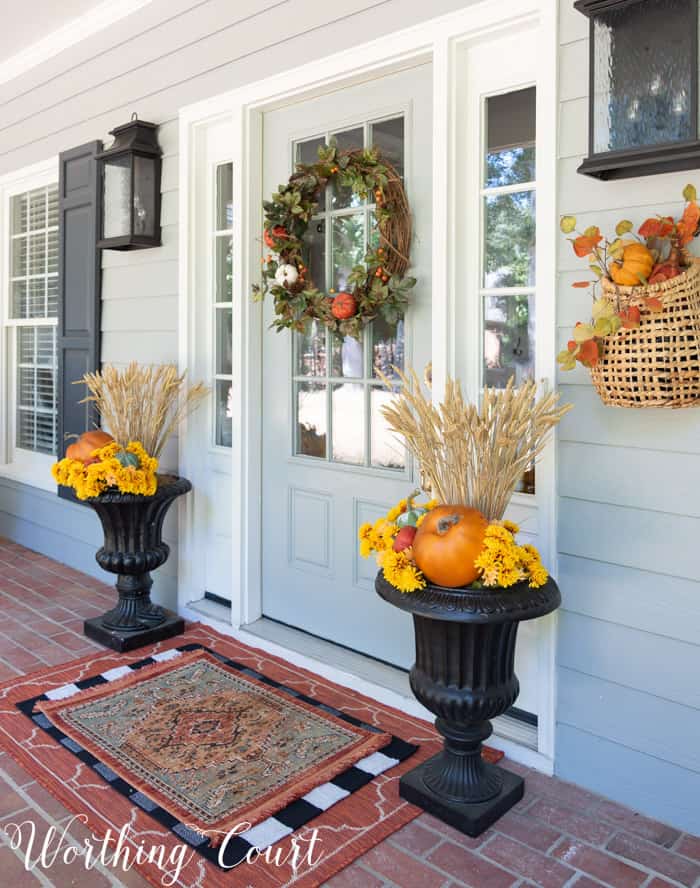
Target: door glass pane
(348, 247)
(509, 339)
(387, 451)
(223, 269)
(224, 197)
(509, 259)
(388, 344)
(347, 357)
(224, 334)
(510, 138)
(307, 152)
(387, 135)
(348, 423)
(312, 422)
(347, 140)
(222, 411)
(315, 240)
(310, 350)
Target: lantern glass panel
(643, 60)
(144, 196)
(117, 196)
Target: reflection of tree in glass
(510, 239)
(512, 331)
(348, 247)
(510, 167)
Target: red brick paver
(560, 835)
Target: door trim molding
(439, 41)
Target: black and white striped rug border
(288, 819)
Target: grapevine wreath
(377, 287)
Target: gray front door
(329, 463)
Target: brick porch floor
(559, 835)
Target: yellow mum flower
(400, 571)
(364, 532)
(510, 526)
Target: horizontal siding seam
(596, 502)
(580, 613)
(627, 687)
(192, 78)
(626, 746)
(625, 447)
(143, 65)
(98, 56)
(627, 566)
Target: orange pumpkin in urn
(448, 541)
(86, 443)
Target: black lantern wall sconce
(643, 108)
(130, 174)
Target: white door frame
(439, 40)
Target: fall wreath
(379, 286)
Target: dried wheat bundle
(141, 403)
(474, 457)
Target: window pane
(310, 349)
(307, 152)
(510, 138)
(311, 422)
(642, 79)
(348, 423)
(509, 339)
(224, 335)
(510, 240)
(35, 394)
(37, 209)
(347, 140)
(388, 346)
(387, 449)
(387, 135)
(223, 270)
(348, 247)
(315, 240)
(224, 196)
(347, 356)
(19, 214)
(52, 296)
(53, 205)
(222, 408)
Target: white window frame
(439, 41)
(16, 463)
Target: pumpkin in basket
(635, 266)
(82, 449)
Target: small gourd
(286, 275)
(634, 268)
(128, 459)
(409, 517)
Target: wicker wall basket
(657, 364)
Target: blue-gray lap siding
(628, 661)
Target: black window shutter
(79, 289)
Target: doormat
(220, 749)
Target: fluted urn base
(464, 674)
(133, 547)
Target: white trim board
(74, 31)
(440, 41)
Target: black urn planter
(464, 674)
(133, 547)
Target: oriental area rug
(241, 767)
